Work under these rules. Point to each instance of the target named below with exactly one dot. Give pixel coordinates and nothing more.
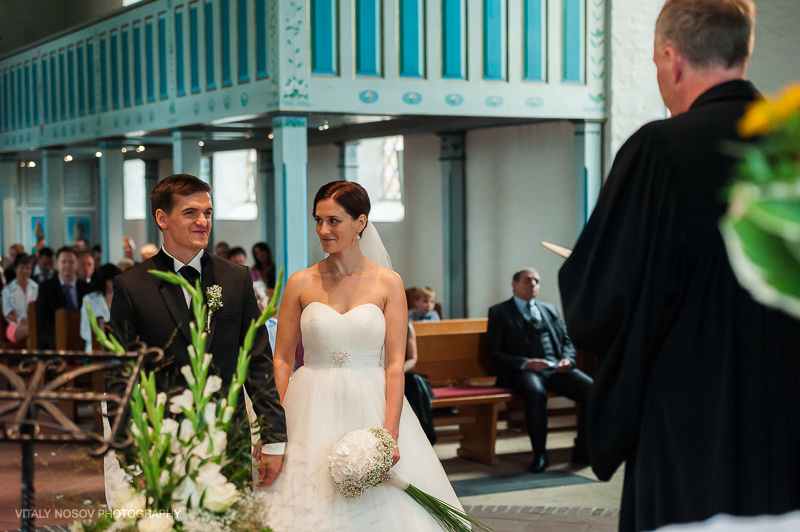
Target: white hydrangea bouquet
(177, 466)
(361, 460)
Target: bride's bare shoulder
(390, 278)
(302, 278)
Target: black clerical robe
(698, 391)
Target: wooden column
(454, 224)
(588, 170)
(53, 195)
(112, 202)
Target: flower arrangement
(762, 226)
(180, 464)
(361, 460)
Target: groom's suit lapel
(172, 295)
(207, 279)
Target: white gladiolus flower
(169, 426)
(210, 413)
(206, 360)
(184, 400)
(156, 523)
(201, 450)
(213, 384)
(220, 498)
(161, 398)
(130, 501)
(227, 414)
(219, 441)
(187, 374)
(187, 493)
(210, 474)
(186, 430)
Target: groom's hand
(268, 465)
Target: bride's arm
(396, 313)
(288, 332)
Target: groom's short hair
(163, 196)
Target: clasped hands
(268, 465)
(539, 365)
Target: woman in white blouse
(99, 300)
(16, 296)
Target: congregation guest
(64, 291)
(99, 300)
(45, 265)
(80, 246)
(13, 252)
(16, 297)
(129, 248)
(533, 354)
(238, 255)
(97, 255)
(698, 390)
(148, 250)
(125, 264)
(417, 388)
(424, 303)
(85, 266)
(263, 266)
(222, 249)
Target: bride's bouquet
(181, 475)
(361, 460)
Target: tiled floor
(69, 482)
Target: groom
(157, 313)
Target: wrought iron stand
(38, 380)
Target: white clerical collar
(195, 263)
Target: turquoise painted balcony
(169, 64)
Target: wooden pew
(454, 356)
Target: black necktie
(190, 274)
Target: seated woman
(99, 299)
(263, 268)
(16, 296)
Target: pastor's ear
(677, 63)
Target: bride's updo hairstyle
(348, 195)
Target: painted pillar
(55, 227)
(348, 161)
(112, 202)
(151, 232)
(290, 156)
(454, 225)
(268, 206)
(8, 191)
(186, 152)
(588, 169)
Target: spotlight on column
(124, 149)
(31, 164)
(22, 164)
(201, 143)
(68, 158)
(270, 136)
(98, 154)
(140, 149)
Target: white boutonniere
(214, 298)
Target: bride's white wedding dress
(325, 401)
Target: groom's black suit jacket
(153, 311)
(510, 347)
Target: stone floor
(69, 483)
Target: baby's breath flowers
(361, 460)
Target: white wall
(521, 189)
(775, 60)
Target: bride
(353, 317)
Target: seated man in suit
(533, 354)
(63, 291)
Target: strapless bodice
(353, 340)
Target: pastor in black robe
(698, 391)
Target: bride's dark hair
(349, 195)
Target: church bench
(454, 355)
